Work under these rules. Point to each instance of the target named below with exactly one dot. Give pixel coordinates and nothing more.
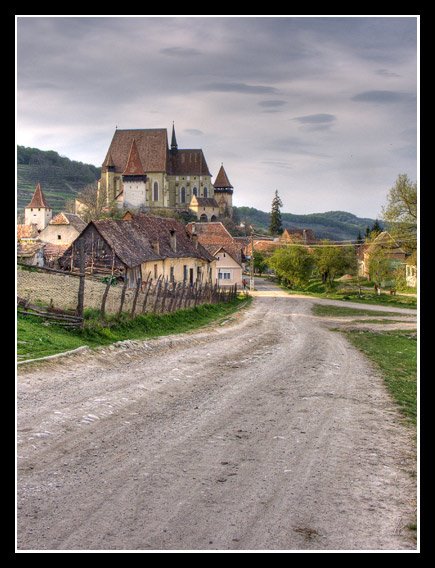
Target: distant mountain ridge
(333, 225)
(61, 179)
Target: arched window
(156, 191)
(183, 195)
(203, 218)
(195, 191)
(205, 192)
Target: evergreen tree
(367, 233)
(376, 229)
(359, 238)
(275, 227)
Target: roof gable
(152, 149)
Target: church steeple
(174, 145)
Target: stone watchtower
(38, 212)
(223, 192)
(134, 179)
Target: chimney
(156, 247)
(195, 240)
(173, 238)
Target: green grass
(340, 291)
(395, 353)
(37, 339)
(339, 311)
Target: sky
(324, 110)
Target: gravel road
(265, 432)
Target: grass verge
(395, 353)
(38, 339)
(338, 311)
(350, 293)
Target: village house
(63, 229)
(140, 171)
(217, 240)
(141, 247)
(267, 245)
(389, 247)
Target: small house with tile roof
(63, 229)
(205, 208)
(38, 212)
(390, 249)
(217, 240)
(141, 247)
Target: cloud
(238, 88)
(178, 51)
(272, 103)
(194, 131)
(316, 118)
(383, 97)
(386, 73)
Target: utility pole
(251, 280)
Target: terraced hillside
(60, 178)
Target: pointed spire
(134, 165)
(222, 180)
(174, 145)
(38, 199)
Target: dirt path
(269, 432)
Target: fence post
(81, 294)
(183, 291)
(165, 289)
(157, 293)
(136, 294)
(103, 301)
(124, 290)
(146, 294)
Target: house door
(191, 276)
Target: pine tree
(376, 229)
(359, 238)
(367, 234)
(275, 227)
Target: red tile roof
(38, 199)
(152, 146)
(64, 218)
(134, 165)
(27, 231)
(222, 180)
(214, 236)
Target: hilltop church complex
(140, 171)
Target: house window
(184, 272)
(195, 192)
(205, 192)
(59, 237)
(156, 191)
(155, 272)
(183, 195)
(171, 274)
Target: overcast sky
(321, 109)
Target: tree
(367, 233)
(91, 203)
(376, 229)
(275, 226)
(292, 264)
(260, 263)
(359, 238)
(401, 212)
(334, 261)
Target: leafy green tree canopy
(292, 264)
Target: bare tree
(90, 203)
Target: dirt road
(269, 432)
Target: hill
(333, 225)
(60, 177)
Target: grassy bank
(37, 339)
(395, 353)
(350, 293)
(338, 311)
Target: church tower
(223, 192)
(134, 179)
(38, 212)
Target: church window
(156, 191)
(205, 192)
(59, 237)
(183, 195)
(195, 191)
